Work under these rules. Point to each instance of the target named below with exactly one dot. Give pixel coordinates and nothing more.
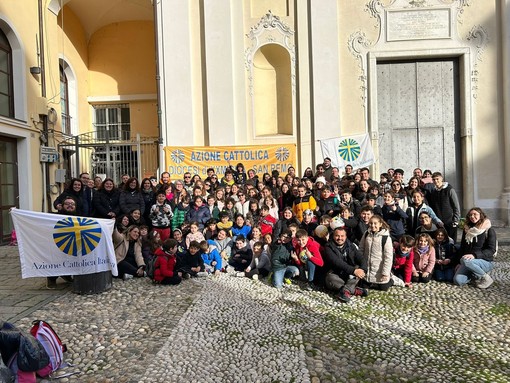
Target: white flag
(52, 244)
(354, 150)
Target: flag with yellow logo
(54, 244)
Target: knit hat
(321, 179)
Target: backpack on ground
(151, 266)
(51, 342)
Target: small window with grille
(112, 121)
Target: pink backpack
(51, 342)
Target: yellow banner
(261, 158)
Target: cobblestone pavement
(228, 329)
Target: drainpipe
(158, 90)
(46, 179)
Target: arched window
(6, 93)
(64, 102)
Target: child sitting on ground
(260, 265)
(445, 251)
(308, 255)
(211, 256)
(424, 258)
(192, 264)
(241, 255)
(164, 267)
(403, 262)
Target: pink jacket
(424, 262)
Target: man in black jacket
(443, 200)
(345, 266)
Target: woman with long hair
(477, 250)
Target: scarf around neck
(473, 232)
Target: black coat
(106, 202)
(343, 263)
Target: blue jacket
(200, 215)
(212, 255)
(396, 219)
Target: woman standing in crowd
(131, 198)
(149, 197)
(106, 200)
(74, 190)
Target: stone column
(176, 72)
(303, 92)
(505, 68)
(325, 72)
(219, 71)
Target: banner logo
(349, 149)
(177, 156)
(282, 154)
(77, 236)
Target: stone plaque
(418, 24)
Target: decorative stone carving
(359, 45)
(270, 30)
(479, 38)
(442, 15)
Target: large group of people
(342, 233)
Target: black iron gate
(105, 156)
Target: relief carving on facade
(360, 46)
(479, 38)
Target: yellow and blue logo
(77, 236)
(349, 149)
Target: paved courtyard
(228, 329)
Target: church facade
(427, 80)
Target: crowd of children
(345, 234)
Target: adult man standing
(365, 175)
(348, 170)
(443, 200)
(328, 169)
(345, 266)
(165, 179)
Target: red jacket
(404, 264)
(267, 224)
(313, 247)
(164, 265)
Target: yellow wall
(144, 118)
(122, 59)
(73, 47)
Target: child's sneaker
(127, 276)
(360, 292)
(344, 296)
(255, 277)
(287, 281)
(202, 274)
(240, 274)
(186, 276)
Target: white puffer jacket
(379, 260)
